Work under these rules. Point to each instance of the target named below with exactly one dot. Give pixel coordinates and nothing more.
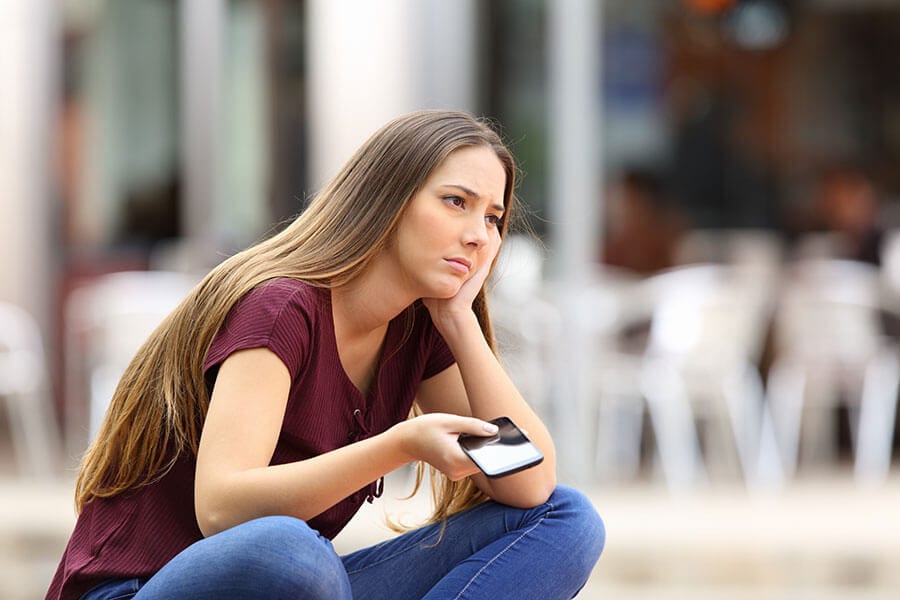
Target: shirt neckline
(388, 347)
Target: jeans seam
(408, 548)
(499, 554)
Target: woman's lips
(459, 264)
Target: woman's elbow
(212, 516)
(529, 494)
(209, 522)
(540, 494)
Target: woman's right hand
(433, 438)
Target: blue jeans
(491, 551)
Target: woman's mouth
(460, 265)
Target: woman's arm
(479, 386)
(234, 482)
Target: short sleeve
(277, 315)
(439, 356)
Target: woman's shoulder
(287, 286)
(281, 314)
(282, 291)
(279, 300)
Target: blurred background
(706, 309)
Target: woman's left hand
(461, 303)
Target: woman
(260, 415)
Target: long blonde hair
(158, 408)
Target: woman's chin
(445, 289)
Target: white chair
(890, 270)
(830, 348)
(24, 386)
(757, 249)
(616, 314)
(107, 320)
(877, 416)
(821, 245)
(699, 374)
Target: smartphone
(504, 453)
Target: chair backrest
(753, 248)
(708, 313)
(614, 300)
(120, 310)
(22, 358)
(890, 268)
(108, 320)
(829, 308)
(518, 275)
(821, 245)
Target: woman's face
(451, 226)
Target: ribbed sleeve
(439, 355)
(275, 315)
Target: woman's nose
(476, 233)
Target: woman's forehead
(477, 169)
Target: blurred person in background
(845, 202)
(642, 227)
(257, 419)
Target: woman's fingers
(474, 426)
(433, 438)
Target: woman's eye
(494, 220)
(455, 201)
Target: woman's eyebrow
(474, 194)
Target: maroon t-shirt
(135, 533)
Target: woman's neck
(367, 303)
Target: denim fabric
(119, 589)
(490, 552)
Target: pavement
(819, 537)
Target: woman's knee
(286, 544)
(281, 556)
(587, 531)
(277, 532)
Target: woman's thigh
(271, 557)
(489, 551)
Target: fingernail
(491, 428)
